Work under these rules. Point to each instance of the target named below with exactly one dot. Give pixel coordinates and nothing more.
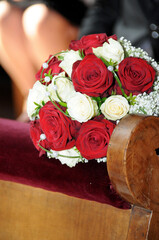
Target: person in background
(136, 20)
(32, 30)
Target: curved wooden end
(132, 161)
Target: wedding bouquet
(80, 95)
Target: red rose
(93, 138)
(136, 76)
(35, 132)
(59, 129)
(86, 43)
(53, 65)
(91, 76)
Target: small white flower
(63, 86)
(115, 107)
(110, 68)
(69, 59)
(45, 65)
(81, 107)
(147, 104)
(47, 79)
(110, 51)
(37, 94)
(42, 136)
(104, 159)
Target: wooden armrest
(132, 160)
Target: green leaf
(37, 104)
(131, 99)
(110, 63)
(105, 61)
(63, 104)
(103, 99)
(113, 93)
(97, 99)
(60, 58)
(58, 107)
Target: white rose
(115, 107)
(70, 157)
(37, 94)
(110, 51)
(81, 107)
(64, 88)
(70, 58)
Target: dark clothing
(73, 10)
(136, 20)
(101, 17)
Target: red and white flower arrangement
(80, 94)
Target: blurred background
(32, 30)
(6, 99)
(29, 32)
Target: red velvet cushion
(20, 162)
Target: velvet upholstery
(20, 162)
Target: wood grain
(36, 214)
(139, 217)
(132, 162)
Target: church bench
(42, 199)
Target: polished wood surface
(139, 224)
(153, 233)
(29, 213)
(133, 164)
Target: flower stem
(49, 61)
(60, 155)
(44, 148)
(120, 85)
(69, 156)
(61, 102)
(58, 108)
(115, 75)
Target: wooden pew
(29, 213)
